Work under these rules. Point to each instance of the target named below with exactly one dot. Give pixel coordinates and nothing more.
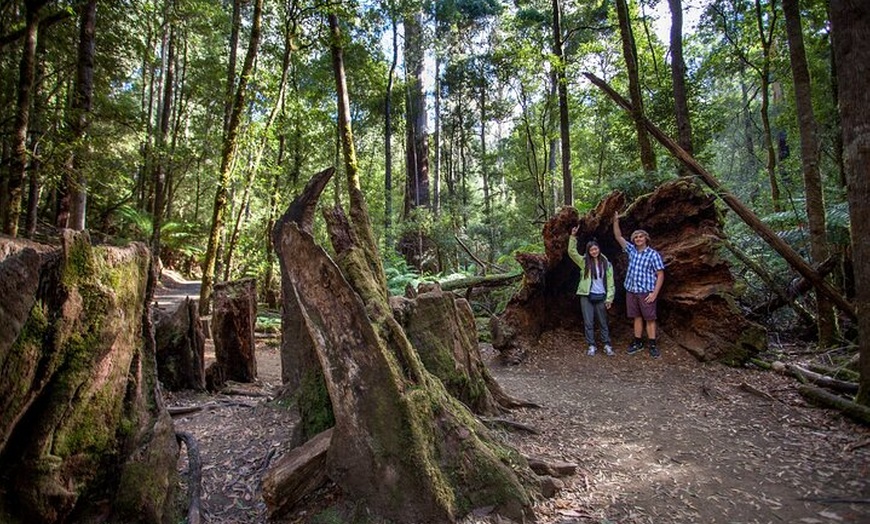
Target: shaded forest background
(191, 124)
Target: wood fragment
(194, 481)
(297, 474)
(757, 392)
(857, 445)
(823, 398)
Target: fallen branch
(194, 481)
(757, 392)
(296, 474)
(822, 398)
(857, 445)
(177, 411)
(805, 375)
(482, 281)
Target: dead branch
(757, 392)
(194, 481)
(799, 288)
(822, 398)
(805, 375)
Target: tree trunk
(629, 51)
(18, 164)
(562, 88)
(850, 20)
(678, 76)
(81, 416)
(221, 199)
(235, 313)
(388, 137)
(764, 76)
(815, 201)
(180, 348)
(417, 146)
(77, 184)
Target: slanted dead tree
(401, 443)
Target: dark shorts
(637, 306)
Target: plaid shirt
(640, 277)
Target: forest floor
(656, 441)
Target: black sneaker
(635, 347)
(654, 352)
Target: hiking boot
(654, 351)
(608, 350)
(635, 347)
(591, 351)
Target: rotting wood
(552, 468)
(823, 398)
(746, 214)
(194, 480)
(297, 474)
(499, 280)
(805, 375)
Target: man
(643, 281)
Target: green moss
(314, 405)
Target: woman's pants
(591, 312)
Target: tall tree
(222, 194)
(678, 77)
(388, 131)
(77, 180)
(18, 167)
(417, 146)
(850, 22)
(815, 200)
(629, 51)
(562, 89)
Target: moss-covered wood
(83, 431)
(401, 443)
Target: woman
(595, 289)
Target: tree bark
(678, 76)
(417, 146)
(77, 181)
(629, 51)
(81, 417)
(850, 20)
(18, 164)
(235, 313)
(180, 348)
(562, 88)
(826, 320)
(400, 443)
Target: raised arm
(617, 232)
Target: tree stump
(401, 443)
(234, 316)
(81, 419)
(180, 345)
(696, 307)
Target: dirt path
(673, 441)
(665, 441)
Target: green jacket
(586, 280)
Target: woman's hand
(575, 230)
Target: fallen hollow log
(820, 397)
(696, 306)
